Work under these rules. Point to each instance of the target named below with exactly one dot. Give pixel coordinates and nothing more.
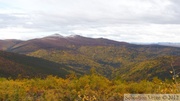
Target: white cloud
(135, 32)
(123, 20)
(13, 32)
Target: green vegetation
(91, 87)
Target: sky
(122, 20)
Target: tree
(174, 74)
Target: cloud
(123, 20)
(134, 32)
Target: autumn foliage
(91, 87)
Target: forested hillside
(14, 65)
(112, 61)
(110, 58)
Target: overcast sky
(122, 20)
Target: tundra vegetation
(91, 87)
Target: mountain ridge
(59, 42)
(109, 58)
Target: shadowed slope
(12, 65)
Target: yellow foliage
(86, 88)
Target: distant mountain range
(169, 44)
(79, 54)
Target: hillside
(111, 62)
(14, 65)
(8, 44)
(61, 43)
(110, 58)
(159, 67)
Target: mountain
(58, 42)
(14, 65)
(110, 58)
(7, 44)
(169, 44)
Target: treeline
(91, 87)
